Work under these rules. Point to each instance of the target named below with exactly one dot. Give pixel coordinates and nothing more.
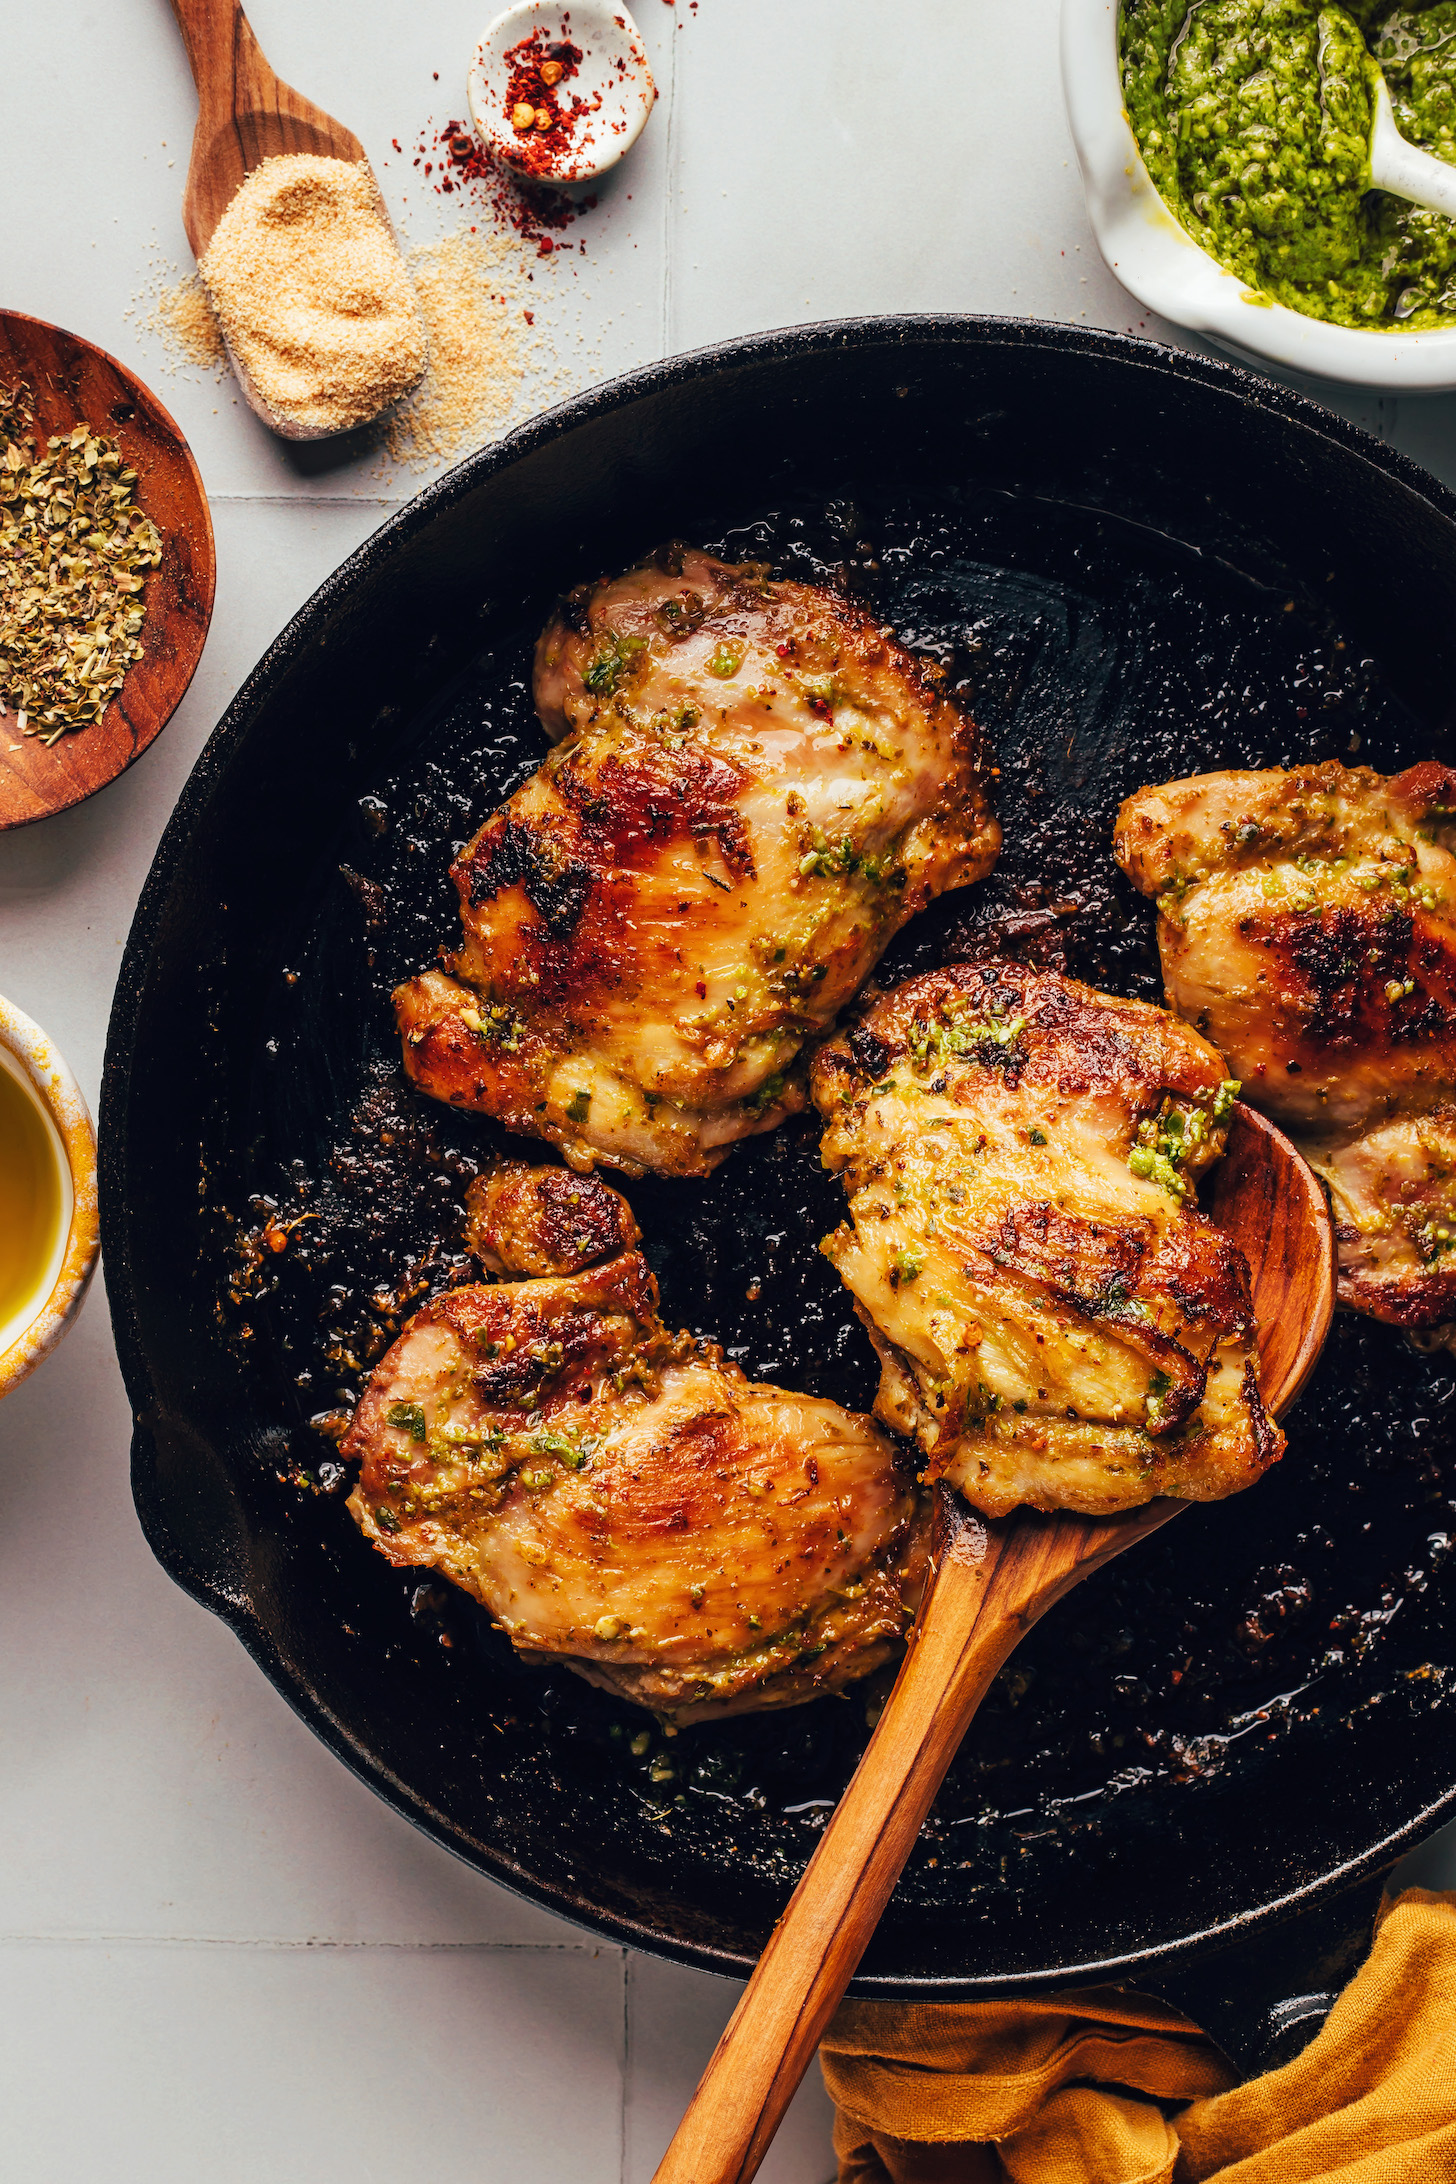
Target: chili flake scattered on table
(454, 161)
(75, 554)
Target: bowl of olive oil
(48, 1222)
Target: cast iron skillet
(1137, 564)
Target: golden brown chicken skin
(1056, 1322)
(1307, 925)
(627, 1500)
(753, 788)
(528, 1220)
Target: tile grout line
(281, 1944)
(628, 1980)
(316, 500)
(669, 187)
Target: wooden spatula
(992, 1581)
(245, 114)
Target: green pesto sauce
(1254, 119)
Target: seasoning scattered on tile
(185, 319)
(312, 293)
(75, 555)
(506, 336)
(476, 363)
(501, 348)
(454, 162)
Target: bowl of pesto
(1225, 151)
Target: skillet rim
(917, 329)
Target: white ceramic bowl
(27, 1055)
(1159, 262)
(614, 80)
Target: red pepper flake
(531, 208)
(543, 121)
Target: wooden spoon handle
(246, 113)
(991, 1582)
(224, 56)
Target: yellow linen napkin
(1067, 2090)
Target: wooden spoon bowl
(992, 1581)
(72, 381)
(246, 114)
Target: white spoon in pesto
(1402, 168)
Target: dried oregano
(75, 553)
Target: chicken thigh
(525, 1220)
(1056, 1323)
(625, 1499)
(753, 788)
(1305, 923)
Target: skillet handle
(192, 1516)
(1264, 1999)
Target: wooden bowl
(71, 381)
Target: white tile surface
(176, 2062)
(674, 2020)
(913, 158)
(154, 1783)
(173, 1838)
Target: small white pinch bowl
(28, 1055)
(614, 80)
(1159, 263)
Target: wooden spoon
(245, 114)
(991, 1582)
(72, 382)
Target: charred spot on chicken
(753, 787)
(1057, 1324)
(1307, 925)
(624, 1498)
(527, 1220)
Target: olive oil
(31, 1206)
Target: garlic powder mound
(313, 295)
